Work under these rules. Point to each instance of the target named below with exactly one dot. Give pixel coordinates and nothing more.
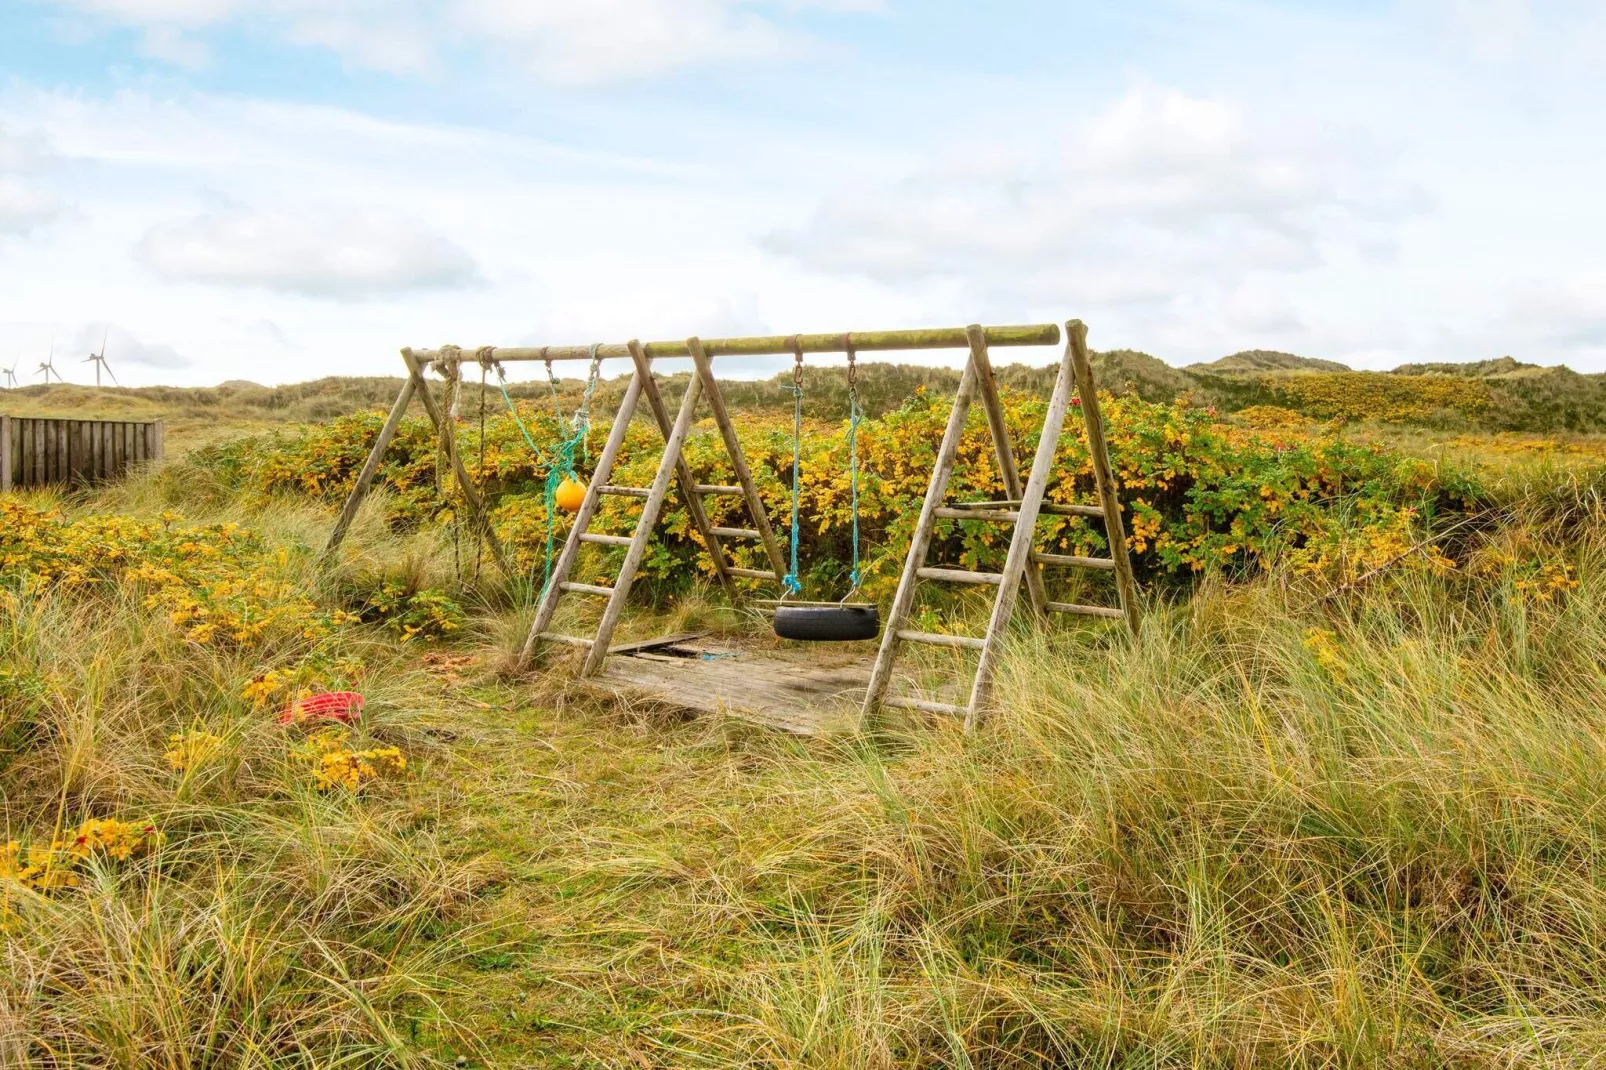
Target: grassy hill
(1492, 395)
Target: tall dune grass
(1283, 830)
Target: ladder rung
(606, 540)
(924, 706)
(625, 492)
(570, 640)
(587, 588)
(1056, 509)
(959, 575)
(1009, 516)
(948, 512)
(710, 488)
(734, 533)
(753, 574)
(1085, 611)
(968, 642)
(1074, 562)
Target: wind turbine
(11, 375)
(99, 359)
(48, 366)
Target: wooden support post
(7, 452)
(1021, 546)
(582, 520)
(159, 440)
(688, 483)
(1103, 474)
(465, 485)
(988, 387)
(733, 447)
(675, 440)
(370, 468)
(903, 601)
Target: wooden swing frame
(1022, 505)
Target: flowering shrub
(1386, 397)
(1200, 494)
(335, 765)
(48, 869)
(220, 583)
(187, 750)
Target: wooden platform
(801, 690)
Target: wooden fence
(35, 453)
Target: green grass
(1232, 846)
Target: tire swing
(825, 622)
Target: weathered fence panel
(75, 453)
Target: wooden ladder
(1022, 506)
(672, 465)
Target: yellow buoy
(570, 495)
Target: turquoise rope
(854, 415)
(790, 580)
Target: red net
(342, 706)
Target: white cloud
(1162, 198)
(123, 349)
(567, 42)
(360, 253)
(25, 205)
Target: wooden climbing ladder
(1022, 507)
(671, 465)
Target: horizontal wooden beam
(961, 575)
(963, 642)
(1072, 561)
(1085, 611)
(923, 706)
(1041, 334)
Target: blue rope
(791, 582)
(854, 415)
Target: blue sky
(280, 189)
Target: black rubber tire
(828, 624)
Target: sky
(277, 190)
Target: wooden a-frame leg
(675, 440)
(465, 485)
(564, 566)
(683, 474)
(370, 468)
(919, 543)
(1005, 450)
(733, 447)
(1022, 543)
(1103, 475)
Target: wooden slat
(566, 640)
(1072, 561)
(966, 642)
(710, 488)
(1085, 611)
(587, 588)
(626, 492)
(605, 540)
(737, 533)
(923, 705)
(960, 575)
(754, 574)
(7, 454)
